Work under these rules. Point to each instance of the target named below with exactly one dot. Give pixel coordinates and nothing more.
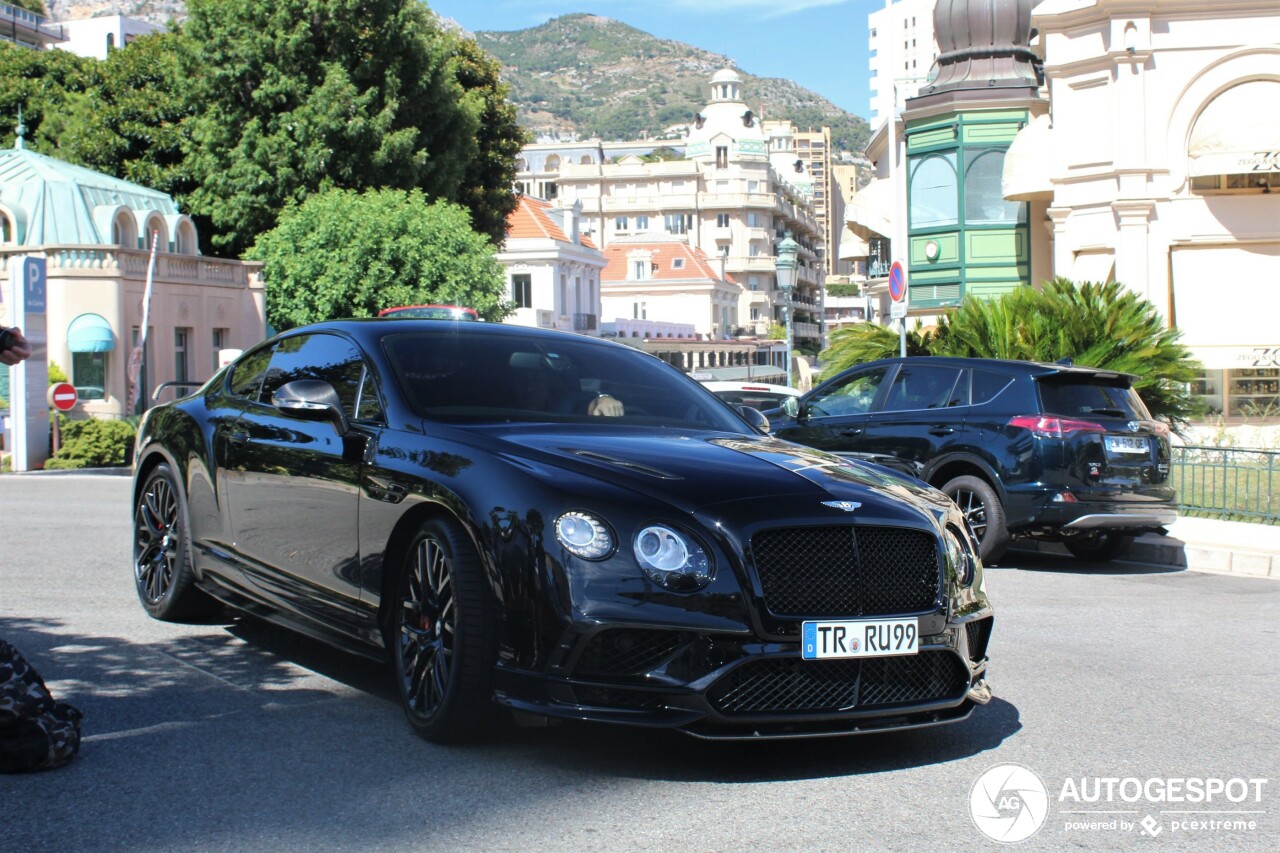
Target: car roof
(1035, 368)
(370, 330)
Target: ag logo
(1008, 803)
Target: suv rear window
(1076, 398)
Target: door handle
(941, 430)
(851, 431)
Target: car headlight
(584, 535)
(671, 559)
(960, 556)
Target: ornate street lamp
(787, 267)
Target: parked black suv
(1025, 449)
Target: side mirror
(754, 417)
(791, 407)
(311, 400)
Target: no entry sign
(63, 397)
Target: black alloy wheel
(162, 572)
(1099, 546)
(445, 641)
(984, 514)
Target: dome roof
(726, 75)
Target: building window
(620, 223)
(551, 190)
(984, 202)
(6, 230)
(220, 338)
(181, 362)
(722, 156)
(933, 191)
(89, 374)
(677, 263)
(522, 290)
(722, 220)
(642, 223)
(1258, 182)
(753, 220)
(678, 223)
(753, 249)
(753, 283)
(639, 270)
(638, 311)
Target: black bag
(36, 733)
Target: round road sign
(63, 397)
(898, 282)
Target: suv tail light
(1047, 427)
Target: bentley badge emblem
(847, 506)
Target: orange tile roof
(696, 263)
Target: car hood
(696, 470)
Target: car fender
(930, 474)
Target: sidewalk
(1207, 545)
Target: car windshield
(466, 377)
(1091, 398)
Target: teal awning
(90, 333)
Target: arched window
(7, 231)
(934, 196)
(521, 165)
(984, 202)
(553, 163)
(586, 160)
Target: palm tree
(1095, 325)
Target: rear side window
(1094, 398)
(986, 385)
(923, 387)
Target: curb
(1152, 549)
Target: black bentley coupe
(557, 525)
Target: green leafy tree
(486, 187)
(299, 96)
(49, 87)
(36, 6)
(141, 105)
(344, 253)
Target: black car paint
(1026, 470)
(268, 494)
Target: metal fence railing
(1227, 482)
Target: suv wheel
(983, 512)
(1099, 547)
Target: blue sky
(820, 44)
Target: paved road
(236, 736)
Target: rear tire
(444, 637)
(162, 572)
(1099, 547)
(984, 514)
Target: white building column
(1133, 266)
(1061, 247)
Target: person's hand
(16, 348)
(605, 405)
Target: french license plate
(1127, 443)
(861, 639)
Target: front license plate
(862, 639)
(1126, 444)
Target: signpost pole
(898, 308)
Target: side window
(854, 396)
(370, 406)
(922, 387)
(986, 385)
(322, 356)
(246, 379)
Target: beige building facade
(1158, 165)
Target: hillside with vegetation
(588, 75)
(595, 76)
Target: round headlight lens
(671, 559)
(583, 535)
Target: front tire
(984, 514)
(1099, 547)
(162, 572)
(444, 642)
